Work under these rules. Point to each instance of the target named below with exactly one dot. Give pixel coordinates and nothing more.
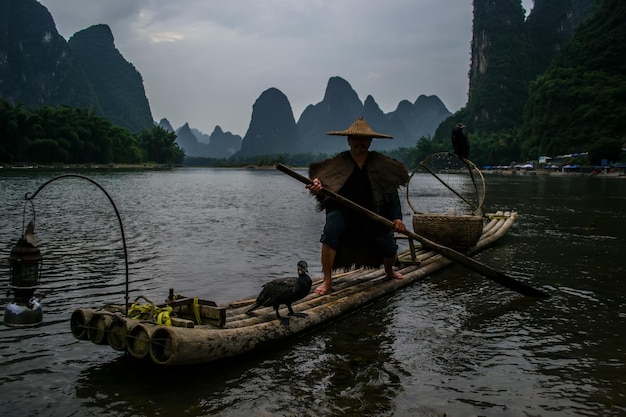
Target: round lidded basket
(446, 180)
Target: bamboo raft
(197, 331)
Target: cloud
(206, 62)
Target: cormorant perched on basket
(284, 291)
(460, 142)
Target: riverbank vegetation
(68, 135)
(544, 94)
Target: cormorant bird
(461, 146)
(284, 291)
(460, 142)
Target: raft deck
(227, 330)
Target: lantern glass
(25, 274)
(25, 264)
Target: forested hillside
(67, 135)
(579, 103)
(116, 82)
(551, 85)
(40, 68)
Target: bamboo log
(120, 328)
(497, 222)
(171, 346)
(138, 340)
(489, 232)
(118, 332)
(98, 328)
(490, 239)
(346, 288)
(79, 322)
(489, 225)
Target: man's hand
(315, 187)
(399, 226)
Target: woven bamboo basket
(455, 231)
(458, 231)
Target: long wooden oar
(449, 253)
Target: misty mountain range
(40, 68)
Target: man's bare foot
(323, 289)
(395, 275)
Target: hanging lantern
(25, 274)
(25, 267)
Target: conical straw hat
(360, 128)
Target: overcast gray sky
(206, 61)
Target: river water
(454, 344)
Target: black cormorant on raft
(284, 291)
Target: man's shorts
(336, 226)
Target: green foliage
(605, 149)
(67, 135)
(581, 98)
(47, 151)
(494, 148)
(554, 87)
(158, 145)
(425, 146)
(500, 66)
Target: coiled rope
(150, 312)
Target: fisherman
(371, 180)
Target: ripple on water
(455, 343)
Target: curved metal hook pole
(32, 207)
(30, 197)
